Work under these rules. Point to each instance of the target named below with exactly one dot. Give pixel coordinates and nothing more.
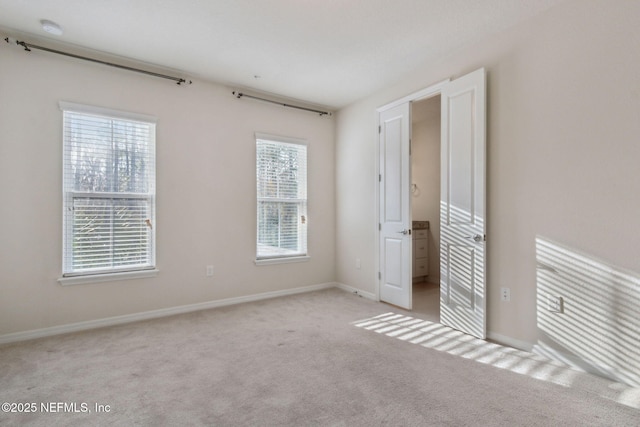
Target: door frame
(425, 93)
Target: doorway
(461, 207)
(425, 202)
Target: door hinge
(409, 147)
(380, 177)
(379, 226)
(379, 276)
(379, 129)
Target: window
(108, 191)
(281, 171)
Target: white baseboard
(592, 367)
(511, 342)
(357, 291)
(154, 314)
(573, 361)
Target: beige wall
(563, 151)
(205, 192)
(563, 185)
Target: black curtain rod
(240, 95)
(29, 46)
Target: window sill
(284, 260)
(107, 277)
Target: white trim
(511, 342)
(351, 289)
(283, 260)
(278, 138)
(109, 112)
(592, 367)
(107, 277)
(569, 359)
(376, 246)
(154, 314)
(565, 358)
(428, 92)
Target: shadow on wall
(588, 312)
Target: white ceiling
(325, 52)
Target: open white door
(395, 206)
(462, 205)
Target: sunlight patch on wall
(588, 312)
(462, 303)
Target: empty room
(345, 213)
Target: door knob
(476, 237)
(405, 232)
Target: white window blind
(281, 171)
(109, 192)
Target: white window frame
(302, 254)
(70, 276)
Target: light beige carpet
(305, 360)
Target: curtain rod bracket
(23, 44)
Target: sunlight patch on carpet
(442, 338)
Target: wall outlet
(209, 270)
(505, 294)
(555, 304)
